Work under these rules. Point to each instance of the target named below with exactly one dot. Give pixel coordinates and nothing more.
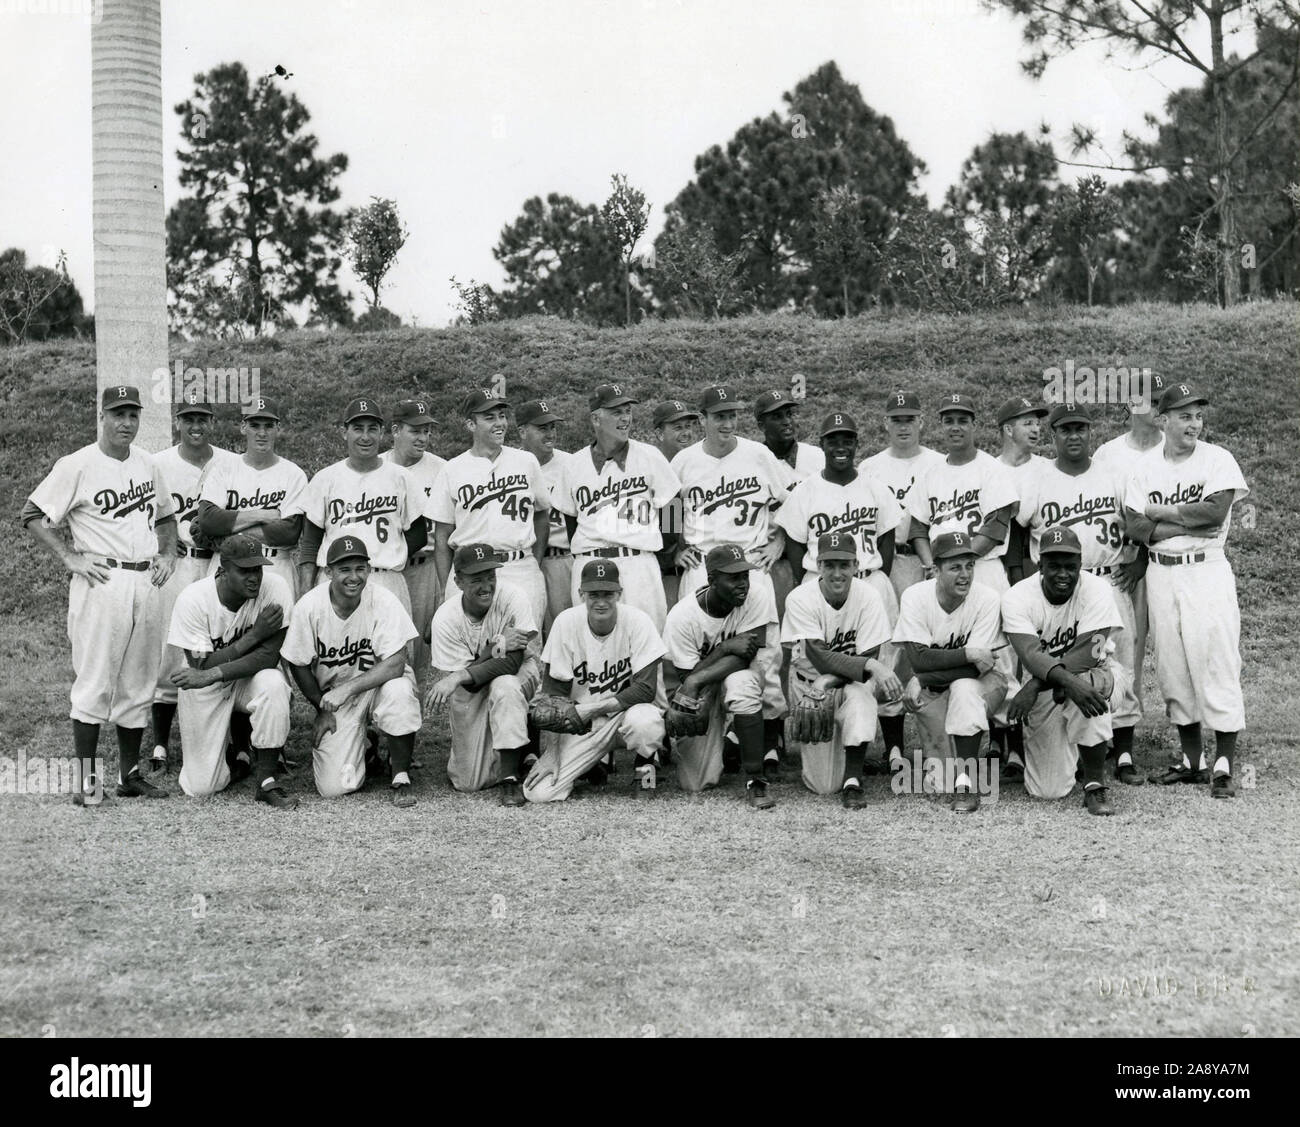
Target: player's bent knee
(743, 692)
(644, 724)
(506, 687)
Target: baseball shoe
(240, 764)
(598, 776)
(730, 754)
(853, 797)
(1013, 771)
(965, 802)
(1223, 786)
(1094, 799)
(512, 794)
(278, 797)
(644, 782)
(1177, 773)
(137, 787)
(526, 767)
(772, 771)
(158, 762)
(403, 796)
(756, 795)
(1129, 775)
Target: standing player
(719, 644)
(484, 643)
(611, 493)
(365, 498)
(537, 427)
(836, 628)
(123, 530)
(1059, 623)
(346, 650)
(602, 662)
(775, 412)
(1020, 422)
(496, 495)
(230, 628)
(184, 467)
(675, 430)
(1074, 492)
(1179, 503)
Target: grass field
(688, 915)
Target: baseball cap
(599, 575)
(670, 410)
(835, 421)
(1178, 395)
(1068, 413)
(536, 411)
(902, 402)
(955, 401)
(192, 404)
(120, 395)
(412, 411)
(837, 546)
(949, 544)
(261, 408)
(610, 395)
(719, 397)
(364, 408)
(726, 557)
(242, 551)
(1018, 405)
(1060, 540)
(346, 548)
(470, 559)
(479, 400)
(773, 400)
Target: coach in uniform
(675, 429)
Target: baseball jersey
(617, 508)
(857, 627)
(1120, 453)
(690, 635)
(1025, 610)
(111, 507)
(1092, 502)
(424, 476)
(951, 498)
(552, 471)
(864, 508)
(600, 666)
(977, 621)
(341, 649)
(457, 641)
(202, 623)
(234, 484)
(729, 500)
(1209, 469)
(808, 461)
(376, 507)
(899, 474)
(185, 482)
(490, 500)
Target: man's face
(836, 575)
(1060, 574)
(192, 428)
(612, 425)
(539, 438)
(732, 586)
(958, 431)
(1183, 426)
(955, 576)
(779, 425)
(903, 431)
(721, 425)
(1023, 433)
(120, 425)
(841, 449)
(489, 427)
(676, 435)
(478, 589)
(411, 438)
(602, 608)
(259, 435)
(361, 438)
(348, 577)
(246, 580)
(1072, 440)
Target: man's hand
(688, 557)
(270, 620)
(511, 639)
(191, 678)
(929, 571)
(743, 646)
(772, 551)
(335, 699)
(912, 696)
(888, 686)
(87, 568)
(160, 570)
(1022, 703)
(323, 724)
(980, 657)
(1162, 512)
(1129, 575)
(439, 694)
(1088, 699)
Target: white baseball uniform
(899, 474)
(598, 667)
(420, 573)
(808, 461)
(111, 508)
(857, 627)
(557, 564)
(202, 623)
(1195, 619)
(339, 650)
(493, 717)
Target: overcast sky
(461, 111)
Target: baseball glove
(685, 716)
(557, 714)
(812, 721)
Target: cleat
(1223, 786)
(597, 776)
(158, 762)
(1094, 799)
(1177, 773)
(137, 787)
(757, 796)
(403, 796)
(512, 794)
(278, 797)
(965, 802)
(853, 798)
(645, 780)
(772, 770)
(240, 764)
(1014, 772)
(1129, 775)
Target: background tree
(375, 235)
(257, 226)
(625, 214)
(1083, 216)
(840, 237)
(37, 302)
(476, 301)
(693, 278)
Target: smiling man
(1020, 424)
(538, 425)
(676, 427)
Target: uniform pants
(640, 729)
(855, 724)
(485, 722)
(1055, 732)
(189, 569)
(962, 709)
(425, 593)
(204, 716)
(113, 627)
(889, 654)
(557, 571)
(339, 761)
(699, 758)
(1125, 711)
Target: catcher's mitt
(812, 720)
(1099, 677)
(686, 716)
(557, 714)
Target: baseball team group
(706, 603)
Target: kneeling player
(483, 643)
(601, 677)
(720, 643)
(950, 630)
(1059, 623)
(230, 627)
(346, 649)
(836, 627)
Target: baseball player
(1059, 622)
(485, 648)
(346, 650)
(611, 493)
(601, 664)
(1074, 492)
(950, 628)
(776, 414)
(537, 428)
(411, 426)
(365, 498)
(229, 629)
(496, 495)
(675, 427)
(835, 629)
(250, 493)
(719, 643)
(841, 498)
(119, 512)
(1020, 422)
(184, 467)
(1179, 503)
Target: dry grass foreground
(690, 915)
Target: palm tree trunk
(1229, 267)
(129, 227)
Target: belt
(904, 550)
(275, 553)
(419, 560)
(864, 574)
(553, 553)
(1185, 557)
(127, 565)
(195, 553)
(509, 556)
(611, 553)
(1102, 571)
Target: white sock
(772, 757)
(1014, 760)
(1221, 766)
(963, 782)
(268, 783)
(851, 782)
(1125, 759)
(1203, 763)
(401, 778)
